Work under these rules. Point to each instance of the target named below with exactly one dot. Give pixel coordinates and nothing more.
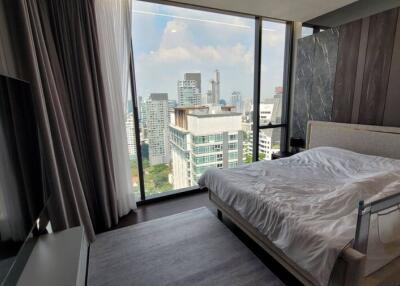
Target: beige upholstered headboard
(365, 139)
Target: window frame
(256, 95)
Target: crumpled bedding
(307, 204)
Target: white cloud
(179, 52)
(203, 46)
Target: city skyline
(181, 139)
(194, 88)
(192, 41)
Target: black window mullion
(137, 128)
(257, 84)
(287, 85)
(270, 126)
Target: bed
(318, 227)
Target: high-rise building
(203, 137)
(142, 110)
(266, 110)
(188, 90)
(157, 121)
(194, 76)
(172, 104)
(266, 145)
(210, 97)
(204, 98)
(237, 102)
(277, 118)
(214, 95)
(130, 105)
(269, 139)
(142, 118)
(130, 134)
(277, 111)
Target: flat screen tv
(22, 198)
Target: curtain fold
(114, 31)
(54, 45)
(74, 28)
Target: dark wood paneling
(392, 106)
(381, 34)
(360, 70)
(346, 69)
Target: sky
(170, 41)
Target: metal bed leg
(219, 214)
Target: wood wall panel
(366, 83)
(392, 106)
(378, 59)
(360, 70)
(346, 70)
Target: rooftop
(159, 96)
(221, 114)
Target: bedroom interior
(199, 142)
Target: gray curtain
(74, 28)
(53, 44)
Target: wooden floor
(180, 204)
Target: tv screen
(21, 177)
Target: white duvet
(307, 204)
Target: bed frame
(350, 265)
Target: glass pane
(306, 31)
(270, 142)
(194, 78)
(130, 134)
(272, 68)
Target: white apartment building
(269, 139)
(157, 121)
(266, 145)
(266, 110)
(201, 138)
(130, 134)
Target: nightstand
(280, 155)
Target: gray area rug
(190, 248)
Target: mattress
(307, 204)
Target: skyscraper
(236, 100)
(157, 120)
(171, 105)
(214, 96)
(270, 112)
(203, 138)
(194, 76)
(188, 90)
(130, 134)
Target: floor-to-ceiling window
(132, 149)
(272, 119)
(194, 76)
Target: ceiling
(354, 11)
(292, 10)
